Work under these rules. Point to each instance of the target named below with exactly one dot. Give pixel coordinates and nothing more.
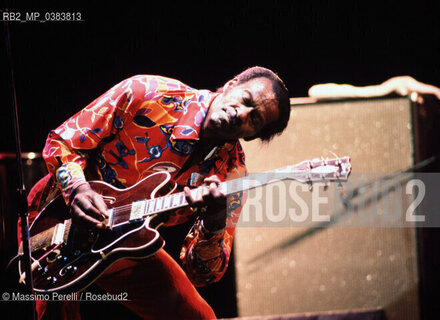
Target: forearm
(402, 85)
(333, 90)
(207, 248)
(64, 164)
(69, 176)
(205, 255)
(67, 147)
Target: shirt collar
(189, 125)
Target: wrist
(78, 187)
(213, 227)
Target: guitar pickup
(137, 210)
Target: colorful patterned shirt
(140, 126)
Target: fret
(182, 199)
(152, 203)
(175, 201)
(306, 172)
(147, 206)
(245, 183)
(159, 202)
(227, 187)
(167, 202)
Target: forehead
(261, 87)
(264, 98)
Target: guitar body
(81, 256)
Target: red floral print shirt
(140, 126)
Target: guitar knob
(71, 269)
(52, 280)
(42, 271)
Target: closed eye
(248, 99)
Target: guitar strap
(193, 159)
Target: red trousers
(156, 288)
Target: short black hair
(281, 94)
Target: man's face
(241, 111)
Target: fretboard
(306, 171)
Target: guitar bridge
(109, 221)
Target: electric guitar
(68, 259)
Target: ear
(230, 84)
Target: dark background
(62, 66)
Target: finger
(194, 197)
(206, 195)
(86, 205)
(100, 204)
(91, 210)
(198, 194)
(212, 179)
(215, 199)
(216, 193)
(86, 221)
(189, 196)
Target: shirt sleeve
(66, 147)
(204, 255)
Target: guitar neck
(317, 170)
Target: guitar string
(127, 207)
(123, 208)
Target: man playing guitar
(144, 125)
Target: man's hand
(87, 207)
(404, 85)
(212, 200)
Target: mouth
(231, 117)
(225, 119)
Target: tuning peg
(334, 154)
(326, 186)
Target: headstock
(319, 170)
(316, 170)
